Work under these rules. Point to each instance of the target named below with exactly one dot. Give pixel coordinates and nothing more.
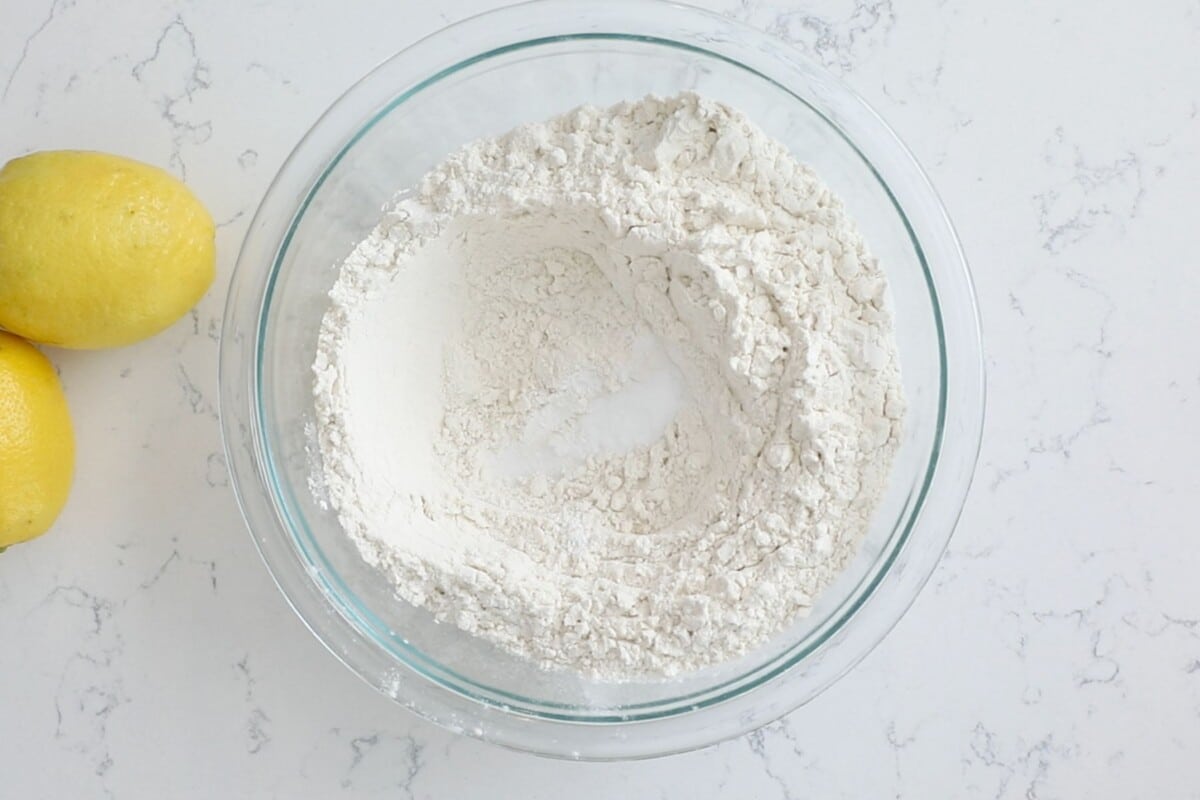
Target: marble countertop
(145, 652)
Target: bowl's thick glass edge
(269, 551)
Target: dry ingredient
(617, 391)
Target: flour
(617, 392)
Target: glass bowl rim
(357, 614)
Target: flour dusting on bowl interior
(617, 392)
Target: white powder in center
(617, 392)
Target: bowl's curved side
(961, 391)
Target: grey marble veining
(1054, 654)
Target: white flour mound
(617, 392)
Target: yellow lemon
(37, 448)
(98, 250)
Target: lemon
(37, 448)
(98, 250)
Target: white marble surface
(145, 653)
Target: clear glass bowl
(482, 77)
